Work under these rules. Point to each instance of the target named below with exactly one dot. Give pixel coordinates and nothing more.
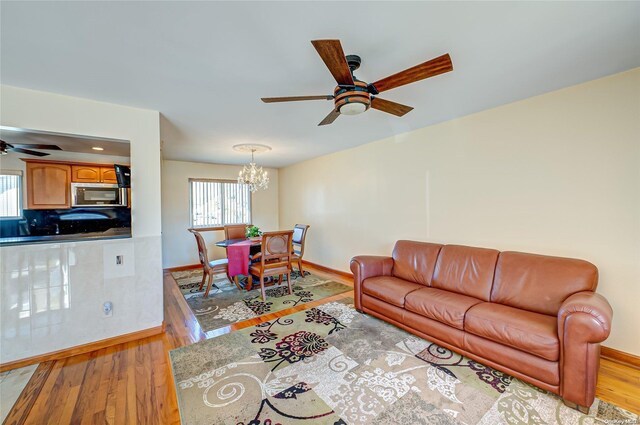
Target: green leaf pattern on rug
(517, 411)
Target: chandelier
(251, 174)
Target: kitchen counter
(117, 233)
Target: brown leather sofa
(535, 317)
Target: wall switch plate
(107, 309)
(115, 265)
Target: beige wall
(179, 246)
(556, 174)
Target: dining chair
(209, 268)
(274, 259)
(235, 231)
(299, 236)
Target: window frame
(20, 175)
(220, 227)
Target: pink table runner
(238, 255)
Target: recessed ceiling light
(97, 148)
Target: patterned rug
(333, 365)
(226, 304)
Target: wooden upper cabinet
(48, 185)
(93, 174)
(108, 175)
(85, 174)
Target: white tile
(11, 385)
(52, 296)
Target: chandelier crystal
(253, 176)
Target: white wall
(179, 246)
(52, 294)
(556, 174)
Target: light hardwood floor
(132, 382)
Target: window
(215, 203)
(10, 194)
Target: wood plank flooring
(131, 383)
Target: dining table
(238, 254)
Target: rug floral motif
(332, 365)
(227, 304)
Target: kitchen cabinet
(108, 175)
(48, 185)
(49, 182)
(93, 174)
(85, 174)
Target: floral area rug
(227, 304)
(333, 365)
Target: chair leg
(204, 277)
(264, 293)
(249, 286)
(300, 267)
(209, 283)
(289, 281)
(229, 276)
(236, 280)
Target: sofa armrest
(366, 266)
(592, 310)
(584, 321)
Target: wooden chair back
(299, 236)
(202, 248)
(276, 249)
(235, 231)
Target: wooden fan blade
(28, 152)
(34, 146)
(431, 68)
(295, 98)
(390, 107)
(331, 53)
(330, 118)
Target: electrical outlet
(107, 309)
(119, 260)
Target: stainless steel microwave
(98, 195)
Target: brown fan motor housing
(353, 94)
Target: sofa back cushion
(415, 261)
(466, 270)
(540, 283)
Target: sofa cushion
(533, 333)
(415, 261)
(389, 289)
(438, 304)
(465, 270)
(540, 283)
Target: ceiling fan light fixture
(353, 108)
(352, 100)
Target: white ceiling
(66, 142)
(205, 65)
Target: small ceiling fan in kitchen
(352, 96)
(5, 148)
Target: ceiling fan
(5, 148)
(353, 96)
